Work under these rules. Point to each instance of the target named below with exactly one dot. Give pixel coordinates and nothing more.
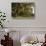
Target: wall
(40, 17)
(37, 24)
(16, 35)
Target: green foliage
(2, 18)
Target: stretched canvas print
(23, 10)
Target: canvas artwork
(23, 10)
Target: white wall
(16, 35)
(40, 17)
(37, 24)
